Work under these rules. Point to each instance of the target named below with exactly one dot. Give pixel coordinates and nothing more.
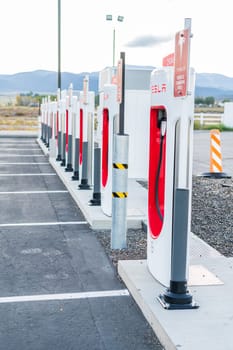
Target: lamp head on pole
(120, 18)
(108, 17)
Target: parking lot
(58, 289)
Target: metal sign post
(120, 168)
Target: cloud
(148, 41)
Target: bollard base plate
(75, 177)
(84, 185)
(69, 168)
(171, 306)
(96, 200)
(219, 175)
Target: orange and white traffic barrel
(216, 168)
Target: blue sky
(29, 33)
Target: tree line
(31, 99)
(207, 101)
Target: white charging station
(53, 124)
(75, 128)
(110, 113)
(63, 125)
(137, 111)
(70, 108)
(228, 114)
(69, 123)
(87, 109)
(170, 165)
(75, 116)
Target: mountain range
(41, 81)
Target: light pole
(59, 45)
(119, 19)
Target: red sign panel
(85, 90)
(114, 80)
(169, 60)
(181, 69)
(119, 81)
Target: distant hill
(212, 84)
(42, 81)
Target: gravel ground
(212, 213)
(212, 221)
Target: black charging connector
(162, 117)
(162, 125)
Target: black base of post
(69, 168)
(96, 199)
(75, 177)
(58, 159)
(63, 162)
(84, 185)
(219, 175)
(177, 297)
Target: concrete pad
(136, 207)
(137, 201)
(209, 327)
(200, 276)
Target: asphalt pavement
(58, 289)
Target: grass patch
(220, 127)
(18, 118)
(209, 110)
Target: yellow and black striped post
(119, 191)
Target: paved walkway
(58, 289)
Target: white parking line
(21, 155)
(45, 223)
(4, 141)
(18, 143)
(20, 149)
(33, 192)
(24, 163)
(40, 174)
(66, 296)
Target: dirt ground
(18, 118)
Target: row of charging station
(160, 148)
(67, 128)
(75, 123)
